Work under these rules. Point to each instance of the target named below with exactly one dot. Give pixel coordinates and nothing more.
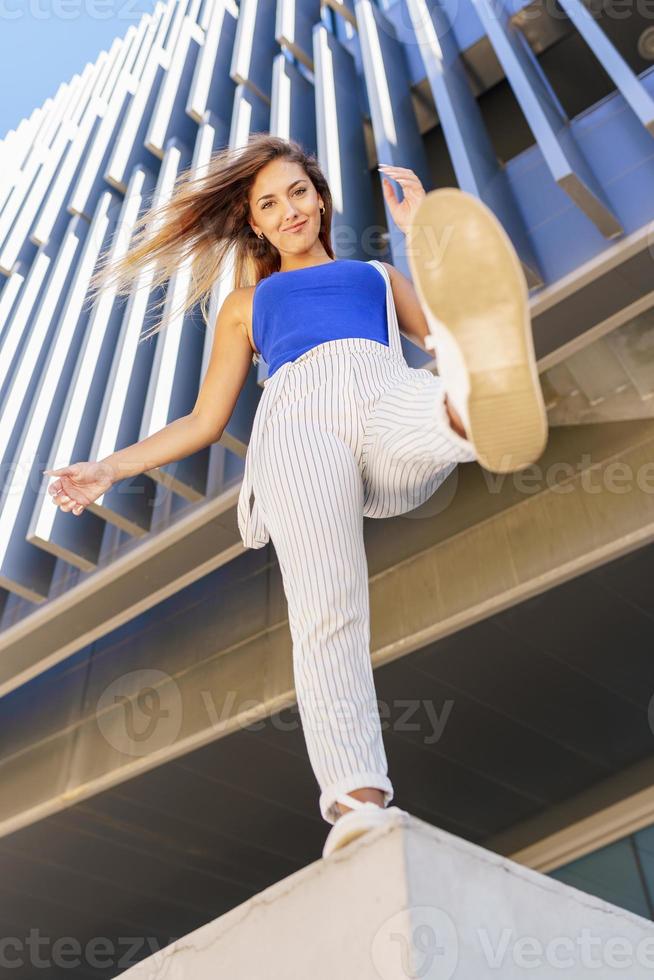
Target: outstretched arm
(81, 483)
(229, 363)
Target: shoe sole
(357, 826)
(478, 291)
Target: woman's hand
(79, 484)
(402, 211)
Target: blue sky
(46, 42)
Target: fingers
(71, 506)
(57, 492)
(393, 169)
(59, 496)
(65, 502)
(400, 174)
(402, 179)
(63, 471)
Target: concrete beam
(409, 900)
(475, 548)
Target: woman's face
(281, 196)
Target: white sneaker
(357, 821)
(475, 298)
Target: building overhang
(573, 313)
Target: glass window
(614, 873)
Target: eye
(300, 190)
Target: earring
(260, 236)
(322, 210)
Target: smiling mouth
(297, 227)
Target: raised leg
(412, 445)
(308, 486)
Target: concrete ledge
(410, 900)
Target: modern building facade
(151, 757)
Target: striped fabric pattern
(348, 430)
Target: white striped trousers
(353, 431)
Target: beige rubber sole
(345, 838)
(357, 824)
(468, 276)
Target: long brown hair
(203, 219)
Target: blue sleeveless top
(296, 310)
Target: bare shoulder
(240, 300)
(392, 271)
(240, 296)
(399, 282)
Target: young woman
(344, 428)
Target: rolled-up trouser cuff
(359, 780)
